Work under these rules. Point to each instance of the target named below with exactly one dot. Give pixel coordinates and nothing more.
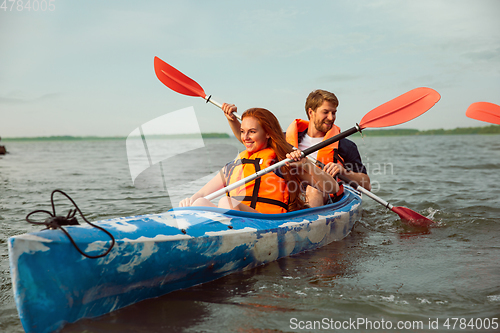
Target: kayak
(156, 254)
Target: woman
(275, 192)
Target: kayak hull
(156, 254)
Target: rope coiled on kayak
(56, 222)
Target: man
(341, 157)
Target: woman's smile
(253, 135)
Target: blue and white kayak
(156, 254)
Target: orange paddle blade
(484, 111)
(401, 109)
(176, 80)
(412, 218)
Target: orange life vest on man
(267, 194)
(326, 154)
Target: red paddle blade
(177, 81)
(413, 218)
(484, 111)
(401, 109)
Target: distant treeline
(188, 136)
(90, 138)
(492, 129)
(61, 138)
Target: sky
(85, 68)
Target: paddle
(177, 81)
(397, 111)
(180, 83)
(484, 111)
(407, 215)
(413, 103)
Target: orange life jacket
(326, 154)
(267, 194)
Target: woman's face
(253, 135)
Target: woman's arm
(213, 185)
(234, 123)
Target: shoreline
(485, 130)
(100, 138)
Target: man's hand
(334, 168)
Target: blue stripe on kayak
(347, 199)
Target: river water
(384, 273)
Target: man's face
(324, 116)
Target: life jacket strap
(261, 200)
(256, 163)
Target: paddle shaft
(248, 179)
(331, 140)
(409, 216)
(275, 166)
(209, 99)
(361, 189)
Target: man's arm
(354, 168)
(361, 178)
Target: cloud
(488, 55)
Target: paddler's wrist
(307, 165)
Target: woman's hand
(229, 109)
(298, 159)
(188, 202)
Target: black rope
(56, 222)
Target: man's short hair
(316, 99)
